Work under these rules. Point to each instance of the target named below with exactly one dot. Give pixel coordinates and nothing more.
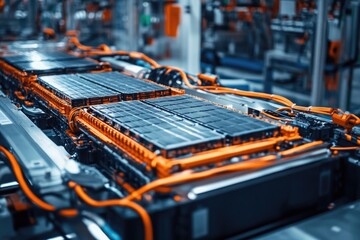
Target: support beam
(319, 54)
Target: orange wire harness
(103, 49)
(275, 118)
(300, 148)
(26, 189)
(77, 43)
(148, 228)
(345, 120)
(21, 180)
(169, 169)
(142, 56)
(23, 77)
(183, 178)
(291, 113)
(65, 108)
(119, 180)
(349, 138)
(164, 166)
(236, 167)
(51, 99)
(189, 177)
(348, 121)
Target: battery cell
(96, 88)
(78, 91)
(56, 67)
(157, 129)
(130, 88)
(56, 62)
(237, 127)
(36, 56)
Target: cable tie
(292, 107)
(339, 111)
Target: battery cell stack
(41, 63)
(180, 125)
(157, 129)
(96, 88)
(237, 127)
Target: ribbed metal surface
(96, 88)
(130, 88)
(78, 91)
(237, 127)
(158, 129)
(35, 56)
(53, 67)
(55, 62)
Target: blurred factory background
(303, 49)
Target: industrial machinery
(103, 144)
(236, 34)
(18, 19)
(302, 31)
(138, 25)
(280, 42)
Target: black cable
(57, 227)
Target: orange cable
(215, 89)
(21, 180)
(276, 118)
(286, 109)
(105, 49)
(236, 167)
(280, 99)
(177, 179)
(353, 148)
(142, 56)
(119, 180)
(77, 43)
(148, 229)
(301, 148)
(193, 79)
(28, 192)
(349, 138)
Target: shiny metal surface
(342, 223)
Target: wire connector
(208, 80)
(348, 121)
